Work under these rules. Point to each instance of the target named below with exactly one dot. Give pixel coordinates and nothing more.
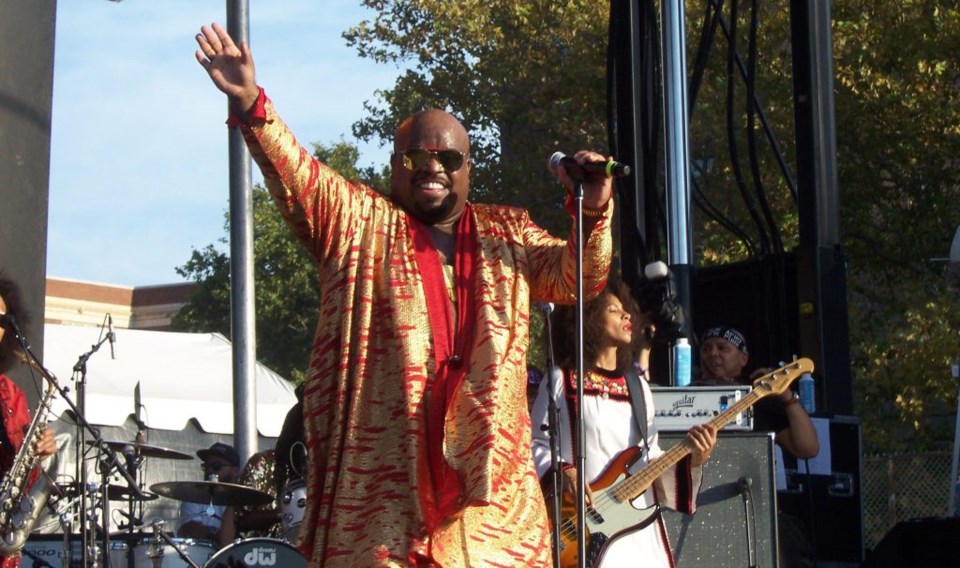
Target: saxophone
(26, 487)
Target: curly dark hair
(10, 293)
(565, 333)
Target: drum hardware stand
(66, 521)
(130, 472)
(156, 549)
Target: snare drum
(149, 553)
(257, 552)
(293, 500)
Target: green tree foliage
(286, 294)
(898, 82)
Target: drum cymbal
(114, 492)
(121, 493)
(146, 450)
(213, 492)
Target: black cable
(811, 511)
(703, 202)
(707, 35)
(732, 135)
(753, 101)
(751, 84)
(767, 129)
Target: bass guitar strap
(636, 401)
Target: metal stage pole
(242, 316)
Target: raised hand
(230, 67)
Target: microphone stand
(579, 453)
(553, 431)
(80, 373)
(745, 485)
(83, 426)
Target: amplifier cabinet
(736, 519)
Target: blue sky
(139, 169)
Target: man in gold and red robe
(415, 412)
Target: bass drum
(257, 552)
(149, 553)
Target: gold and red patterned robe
(415, 409)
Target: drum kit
(138, 548)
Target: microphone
(112, 337)
(610, 168)
(9, 322)
(547, 307)
(137, 406)
(130, 456)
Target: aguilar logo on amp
(261, 556)
(685, 402)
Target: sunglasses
(416, 158)
(214, 466)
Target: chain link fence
(900, 487)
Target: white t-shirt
(208, 515)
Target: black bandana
(728, 333)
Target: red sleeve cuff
(257, 112)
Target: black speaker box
(736, 521)
(930, 543)
(830, 505)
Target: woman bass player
(622, 521)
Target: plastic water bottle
(808, 398)
(681, 363)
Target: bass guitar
(611, 514)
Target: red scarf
(452, 339)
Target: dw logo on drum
(265, 556)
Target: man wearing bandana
(723, 356)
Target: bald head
(431, 192)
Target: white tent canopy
(181, 376)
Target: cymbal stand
(109, 464)
(89, 550)
(132, 514)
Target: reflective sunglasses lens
(451, 160)
(416, 158)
